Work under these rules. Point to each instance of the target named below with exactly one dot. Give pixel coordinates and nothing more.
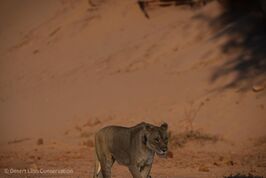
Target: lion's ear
(164, 126)
(148, 127)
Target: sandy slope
(67, 69)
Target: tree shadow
(191, 3)
(243, 176)
(143, 4)
(165, 3)
(244, 24)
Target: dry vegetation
(181, 139)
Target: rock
(258, 87)
(170, 154)
(229, 163)
(203, 168)
(221, 158)
(216, 164)
(78, 128)
(88, 143)
(32, 156)
(33, 166)
(18, 140)
(40, 141)
(36, 51)
(86, 134)
(66, 132)
(97, 122)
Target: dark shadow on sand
(243, 176)
(143, 4)
(243, 22)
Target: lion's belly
(122, 158)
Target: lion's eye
(157, 139)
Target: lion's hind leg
(106, 166)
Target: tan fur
(133, 147)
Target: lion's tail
(97, 167)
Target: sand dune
(68, 68)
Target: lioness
(133, 147)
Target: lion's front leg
(145, 172)
(135, 171)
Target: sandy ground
(68, 68)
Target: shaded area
(244, 23)
(143, 4)
(18, 140)
(184, 2)
(243, 176)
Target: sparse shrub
(183, 138)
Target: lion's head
(156, 138)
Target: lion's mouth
(161, 152)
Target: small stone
(203, 168)
(258, 88)
(216, 164)
(221, 158)
(230, 163)
(78, 128)
(32, 157)
(88, 143)
(66, 132)
(34, 166)
(96, 122)
(175, 49)
(40, 141)
(35, 51)
(170, 154)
